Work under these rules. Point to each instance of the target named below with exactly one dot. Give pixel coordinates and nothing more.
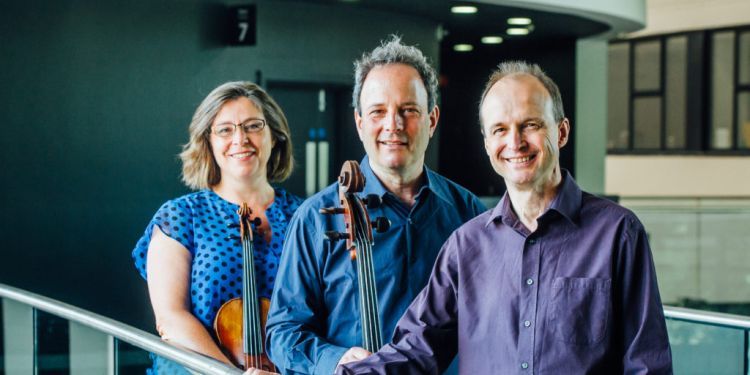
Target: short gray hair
(512, 68)
(392, 51)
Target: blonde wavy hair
(199, 169)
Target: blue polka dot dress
(200, 221)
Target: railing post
(91, 351)
(18, 337)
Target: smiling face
(395, 125)
(241, 156)
(521, 137)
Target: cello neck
(372, 338)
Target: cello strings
(368, 294)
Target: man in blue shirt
(313, 323)
(551, 281)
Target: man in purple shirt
(551, 281)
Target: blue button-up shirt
(577, 296)
(314, 315)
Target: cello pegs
(381, 224)
(335, 236)
(344, 178)
(372, 201)
(331, 210)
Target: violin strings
(253, 345)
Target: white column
(91, 351)
(590, 127)
(18, 338)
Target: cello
(240, 322)
(359, 241)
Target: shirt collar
(374, 186)
(567, 202)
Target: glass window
(618, 97)
(647, 122)
(722, 89)
(744, 55)
(647, 66)
(676, 92)
(743, 120)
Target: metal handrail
(207, 365)
(707, 317)
(121, 331)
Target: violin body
(228, 327)
(240, 322)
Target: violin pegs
(335, 236)
(372, 201)
(381, 224)
(331, 210)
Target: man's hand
(255, 371)
(354, 354)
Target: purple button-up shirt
(577, 296)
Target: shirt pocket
(580, 309)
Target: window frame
(698, 96)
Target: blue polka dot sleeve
(206, 225)
(173, 219)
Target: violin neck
(251, 328)
(372, 338)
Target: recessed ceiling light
(463, 47)
(492, 39)
(463, 9)
(517, 31)
(519, 21)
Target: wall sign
(241, 26)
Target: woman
(239, 143)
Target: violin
(359, 241)
(240, 322)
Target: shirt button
(529, 281)
(526, 323)
(524, 365)
(532, 241)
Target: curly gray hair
(392, 51)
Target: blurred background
(96, 97)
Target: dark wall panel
(463, 76)
(96, 98)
